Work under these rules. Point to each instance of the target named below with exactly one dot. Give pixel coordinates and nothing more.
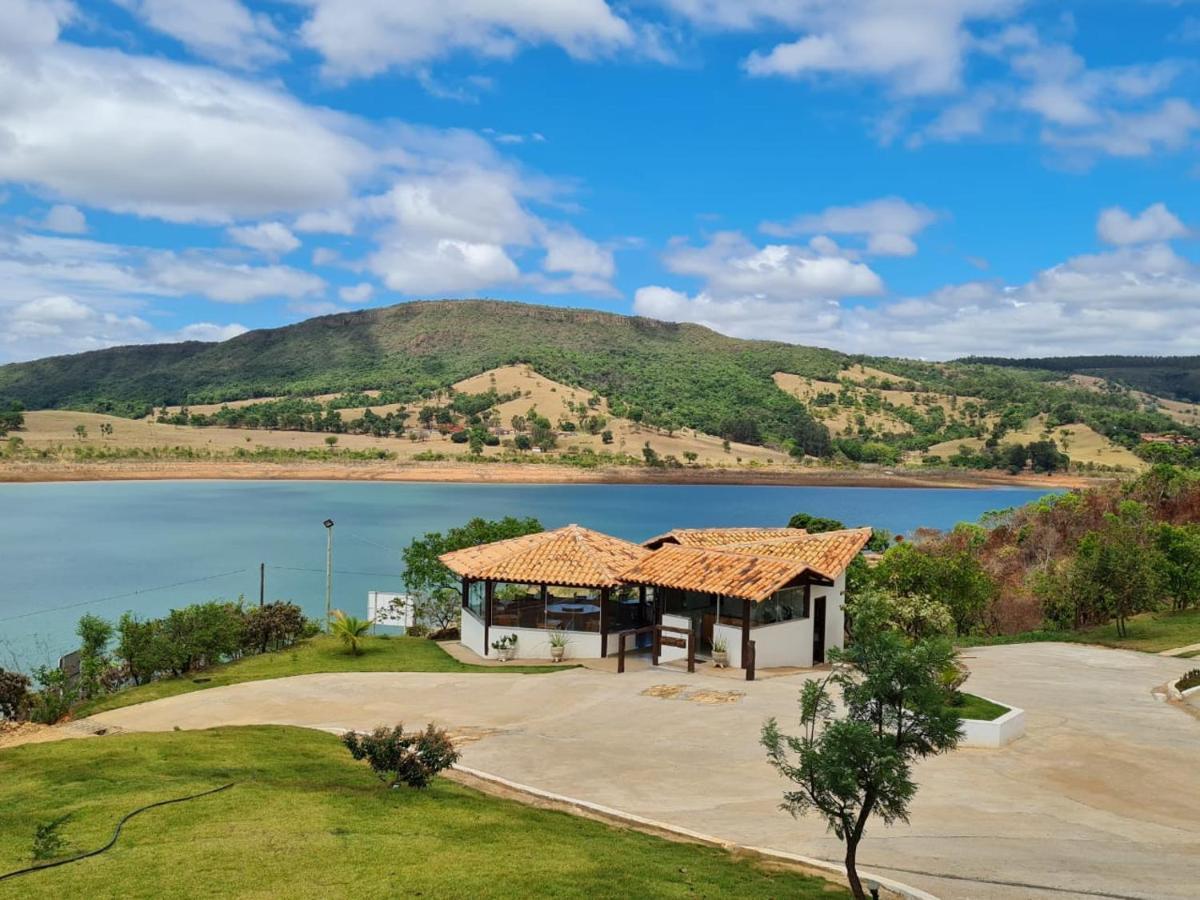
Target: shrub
(14, 694)
(272, 626)
(94, 634)
(48, 842)
(397, 758)
(1189, 680)
(203, 634)
(350, 629)
(55, 698)
(143, 647)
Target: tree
(1015, 457)
(650, 455)
(424, 573)
(81, 432)
(523, 442)
(350, 630)
(273, 625)
(12, 417)
(14, 695)
(606, 437)
(331, 441)
(1180, 547)
(1118, 567)
(397, 758)
(1046, 457)
(814, 524)
(916, 616)
(691, 456)
(143, 648)
(859, 765)
(948, 571)
(94, 634)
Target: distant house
(782, 588)
(1178, 439)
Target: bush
(397, 758)
(55, 698)
(445, 634)
(14, 694)
(1189, 680)
(272, 626)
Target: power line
(337, 572)
(358, 537)
(162, 587)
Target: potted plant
(720, 652)
(558, 644)
(505, 647)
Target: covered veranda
(564, 582)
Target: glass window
(625, 609)
(572, 609)
(782, 606)
(517, 605)
(476, 592)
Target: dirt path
(508, 473)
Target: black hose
(116, 833)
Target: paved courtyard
(1100, 798)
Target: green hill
(1175, 377)
(675, 374)
(666, 375)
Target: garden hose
(116, 833)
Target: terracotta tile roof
(571, 555)
(827, 553)
(716, 537)
(715, 571)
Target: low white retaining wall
(1190, 696)
(996, 733)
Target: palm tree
(350, 629)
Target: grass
(304, 820)
(319, 654)
(1150, 633)
(972, 707)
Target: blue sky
(928, 179)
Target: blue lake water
(67, 549)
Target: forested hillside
(807, 400)
(1175, 377)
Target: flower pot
(504, 654)
(721, 659)
(556, 653)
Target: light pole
(328, 523)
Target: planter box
(998, 732)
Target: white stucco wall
(471, 634)
(996, 733)
(835, 613)
(670, 653)
(534, 643)
(783, 644)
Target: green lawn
(1151, 633)
(319, 654)
(305, 820)
(978, 708)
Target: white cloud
(331, 221)
(32, 23)
(156, 138)
(1133, 299)
(359, 293)
(224, 31)
(888, 224)
(271, 238)
(229, 282)
(914, 46)
(360, 38)
(65, 219)
(60, 323)
(1153, 224)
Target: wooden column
(487, 614)
(605, 593)
(745, 632)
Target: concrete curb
(617, 815)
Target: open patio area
(1098, 799)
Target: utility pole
(328, 572)
(262, 582)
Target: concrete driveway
(1100, 798)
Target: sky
(923, 178)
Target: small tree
(14, 695)
(1180, 547)
(331, 441)
(424, 573)
(81, 432)
(851, 767)
(350, 630)
(94, 634)
(397, 758)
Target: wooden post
(691, 639)
(750, 663)
(745, 631)
(620, 654)
(605, 593)
(487, 613)
(656, 645)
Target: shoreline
(504, 473)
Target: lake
(107, 547)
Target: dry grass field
(51, 428)
(1078, 441)
(1181, 412)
